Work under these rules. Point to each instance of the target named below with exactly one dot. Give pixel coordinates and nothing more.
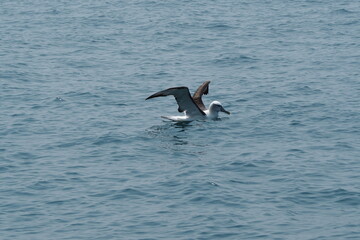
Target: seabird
(193, 107)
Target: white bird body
(193, 107)
(179, 118)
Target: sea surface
(84, 156)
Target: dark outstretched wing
(183, 99)
(203, 89)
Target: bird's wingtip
(152, 96)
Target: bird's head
(216, 107)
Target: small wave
(25, 156)
(342, 11)
(41, 185)
(296, 123)
(82, 94)
(296, 150)
(354, 22)
(230, 60)
(306, 90)
(344, 145)
(60, 202)
(219, 26)
(108, 139)
(249, 165)
(351, 201)
(328, 196)
(130, 193)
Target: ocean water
(84, 156)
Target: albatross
(192, 106)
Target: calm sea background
(84, 156)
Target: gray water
(84, 156)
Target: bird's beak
(223, 110)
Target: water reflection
(170, 132)
(182, 125)
(177, 136)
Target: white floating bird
(193, 107)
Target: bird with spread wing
(192, 106)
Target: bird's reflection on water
(175, 136)
(182, 125)
(170, 132)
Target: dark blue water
(83, 156)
